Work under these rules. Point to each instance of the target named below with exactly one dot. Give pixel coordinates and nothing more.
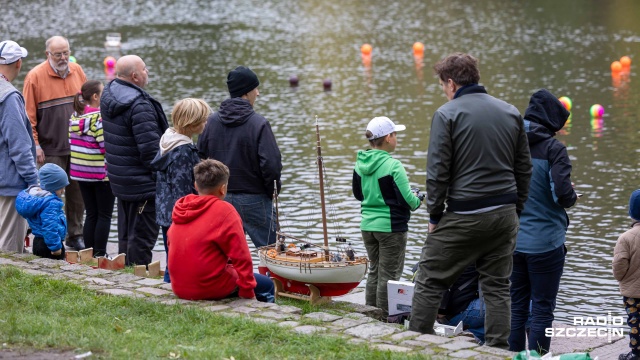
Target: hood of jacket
(191, 207)
(122, 94)
(6, 88)
(545, 109)
(171, 139)
(30, 206)
(162, 161)
(370, 160)
(235, 112)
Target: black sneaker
(76, 243)
(628, 356)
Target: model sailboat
(301, 269)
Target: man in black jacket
(242, 139)
(133, 123)
(479, 167)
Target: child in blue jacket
(42, 207)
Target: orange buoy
(418, 48)
(366, 49)
(625, 61)
(616, 66)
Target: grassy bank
(38, 312)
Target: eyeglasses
(60, 54)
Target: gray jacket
(478, 155)
(17, 148)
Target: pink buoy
(109, 62)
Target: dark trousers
(98, 203)
(535, 280)
(165, 240)
(486, 239)
(137, 230)
(632, 307)
(386, 253)
(264, 290)
(41, 249)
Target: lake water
(564, 46)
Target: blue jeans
(258, 217)
(472, 318)
(264, 289)
(535, 280)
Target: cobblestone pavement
(356, 326)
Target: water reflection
(189, 46)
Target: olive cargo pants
(488, 239)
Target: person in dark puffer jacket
(133, 123)
(539, 256)
(175, 162)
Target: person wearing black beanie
(243, 140)
(241, 81)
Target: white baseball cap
(11, 52)
(381, 126)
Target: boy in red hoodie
(208, 250)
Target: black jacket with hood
(544, 221)
(133, 123)
(243, 140)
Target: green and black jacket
(381, 184)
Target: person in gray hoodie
(17, 149)
(175, 161)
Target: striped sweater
(87, 146)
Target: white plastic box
(400, 295)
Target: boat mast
(275, 201)
(324, 211)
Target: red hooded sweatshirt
(207, 235)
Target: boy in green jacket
(381, 184)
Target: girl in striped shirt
(87, 166)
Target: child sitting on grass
(626, 269)
(208, 250)
(42, 206)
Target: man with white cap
(17, 149)
(49, 90)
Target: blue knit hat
(634, 205)
(52, 177)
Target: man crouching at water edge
(208, 251)
(479, 165)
